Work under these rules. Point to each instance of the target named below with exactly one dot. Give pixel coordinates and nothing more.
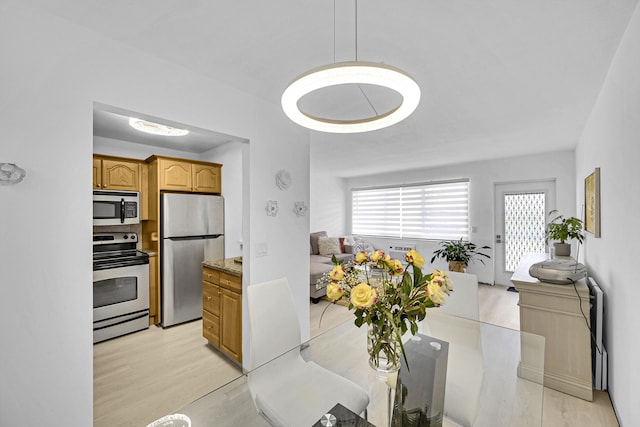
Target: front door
(520, 217)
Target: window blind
(423, 211)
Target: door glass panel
(524, 224)
(114, 291)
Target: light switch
(261, 249)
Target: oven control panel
(109, 238)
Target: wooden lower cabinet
(153, 291)
(222, 311)
(231, 324)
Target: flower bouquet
(388, 297)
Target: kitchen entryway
(143, 376)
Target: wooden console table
(553, 311)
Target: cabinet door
(154, 291)
(120, 175)
(231, 323)
(174, 175)
(97, 174)
(206, 179)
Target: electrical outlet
(261, 249)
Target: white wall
(52, 73)
(482, 176)
(117, 147)
(230, 156)
(611, 141)
(329, 196)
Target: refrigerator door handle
(208, 236)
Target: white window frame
(427, 211)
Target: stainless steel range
(120, 286)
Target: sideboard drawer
(233, 283)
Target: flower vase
(383, 347)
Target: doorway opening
(520, 221)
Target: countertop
(227, 265)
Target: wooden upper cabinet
(175, 175)
(206, 179)
(97, 173)
(120, 175)
(116, 174)
(187, 175)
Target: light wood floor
(143, 376)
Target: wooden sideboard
(222, 306)
(560, 313)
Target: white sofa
(320, 264)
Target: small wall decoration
(272, 208)
(11, 174)
(592, 203)
(283, 179)
(300, 208)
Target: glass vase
(383, 347)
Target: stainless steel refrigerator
(192, 230)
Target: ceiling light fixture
(354, 72)
(155, 128)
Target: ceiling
(111, 122)
(499, 78)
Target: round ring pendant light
(356, 72)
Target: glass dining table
(494, 376)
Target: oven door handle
(121, 211)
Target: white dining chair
(287, 390)
(464, 300)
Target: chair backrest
(273, 320)
(463, 301)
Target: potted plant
(459, 254)
(562, 229)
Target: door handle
(498, 238)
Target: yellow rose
(377, 255)
(413, 257)
(362, 257)
(334, 291)
(395, 267)
(436, 292)
(441, 277)
(337, 273)
(363, 295)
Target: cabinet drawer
(211, 298)
(211, 276)
(231, 282)
(211, 328)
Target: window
(437, 211)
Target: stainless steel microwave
(116, 207)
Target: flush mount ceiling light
(155, 128)
(355, 72)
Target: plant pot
(562, 249)
(458, 266)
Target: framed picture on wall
(592, 203)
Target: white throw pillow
(328, 245)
